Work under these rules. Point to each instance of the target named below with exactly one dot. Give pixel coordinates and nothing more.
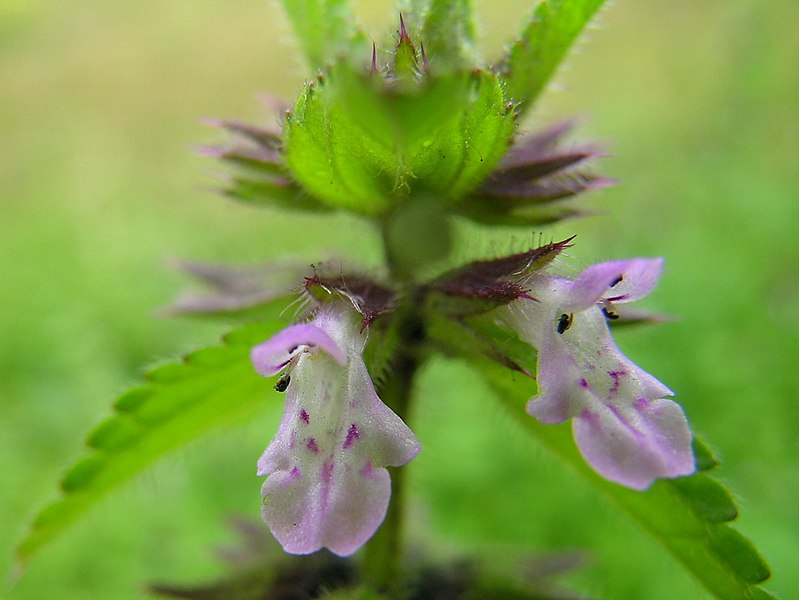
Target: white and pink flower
(327, 485)
(622, 422)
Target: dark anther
(610, 313)
(283, 383)
(564, 322)
(617, 281)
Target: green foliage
(329, 158)
(324, 28)
(360, 593)
(211, 387)
(358, 142)
(543, 43)
(688, 516)
(365, 146)
(430, 125)
(449, 34)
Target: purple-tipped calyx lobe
(327, 486)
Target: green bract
(367, 142)
(431, 122)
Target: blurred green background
(99, 108)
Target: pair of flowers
(327, 485)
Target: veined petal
(634, 445)
(623, 425)
(563, 391)
(327, 485)
(383, 436)
(272, 356)
(611, 376)
(335, 506)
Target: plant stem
(383, 553)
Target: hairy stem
(383, 553)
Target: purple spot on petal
(312, 445)
(352, 435)
(295, 474)
(367, 471)
(616, 377)
(327, 472)
(583, 383)
(591, 417)
(304, 417)
(641, 403)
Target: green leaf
(357, 142)
(542, 45)
(448, 34)
(325, 29)
(688, 516)
(179, 402)
(453, 158)
(331, 159)
(360, 593)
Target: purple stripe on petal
(352, 435)
(636, 447)
(327, 472)
(368, 470)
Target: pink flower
(327, 485)
(622, 423)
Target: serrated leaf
(180, 401)
(688, 516)
(325, 29)
(448, 34)
(543, 43)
